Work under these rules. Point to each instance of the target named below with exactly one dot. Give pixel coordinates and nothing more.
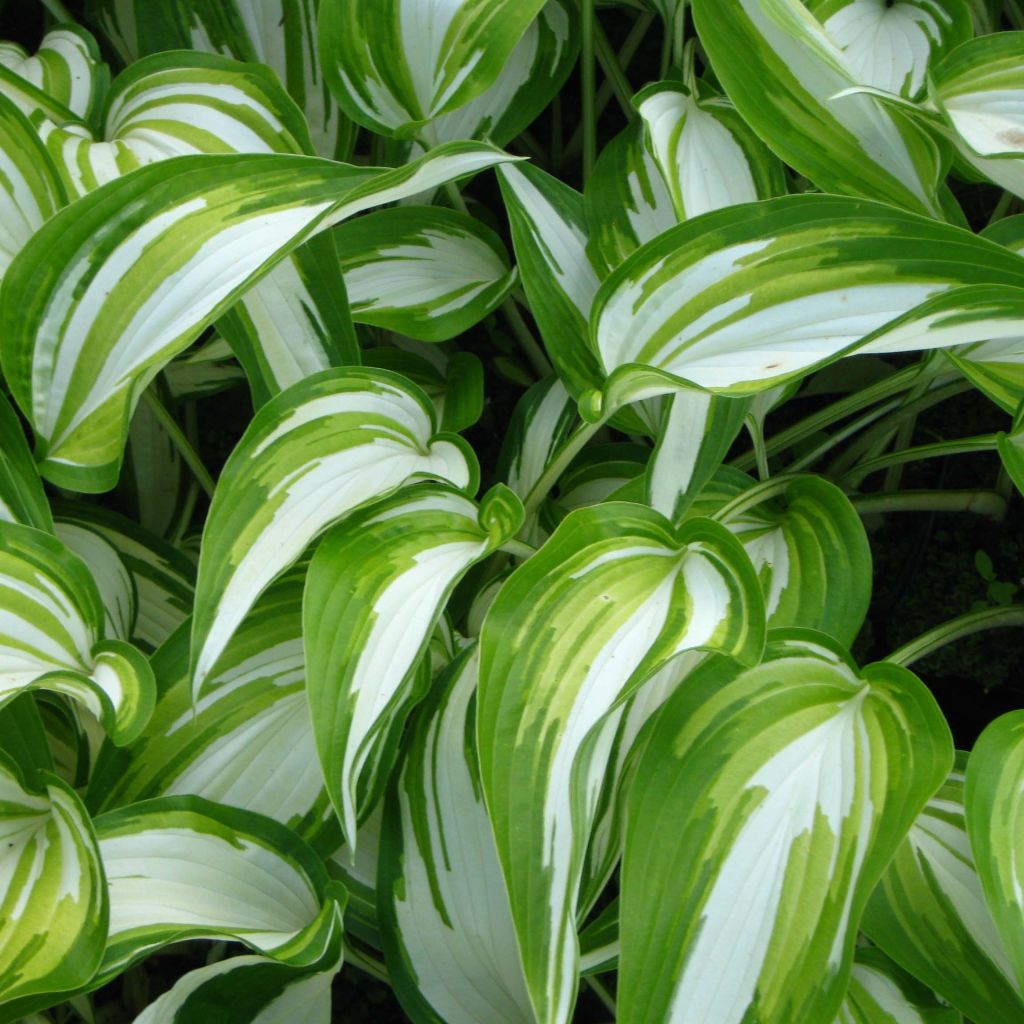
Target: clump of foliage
(435, 452)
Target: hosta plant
(443, 452)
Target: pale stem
(955, 629)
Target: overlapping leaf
(611, 597)
(880, 993)
(768, 801)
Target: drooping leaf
(394, 65)
(781, 70)
(449, 939)
(313, 454)
(928, 913)
(765, 806)
(53, 911)
(992, 806)
(425, 272)
(181, 867)
(376, 588)
(52, 634)
(107, 292)
(611, 597)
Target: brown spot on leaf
(1013, 137)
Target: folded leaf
(52, 635)
(448, 934)
(376, 588)
(782, 71)
(421, 271)
(613, 595)
(312, 455)
(928, 913)
(53, 911)
(765, 806)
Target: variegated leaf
(250, 990)
(163, 578)
(891, 46)
(376, 588)
(744, 299)
(107, 292)
(448, 934)
(993, 787)
(928, 913)
(31, 190)
(313, 454)
(626, 200)
(533, 73)
(424, 272)
(53, 911)
(66, 67)
(610, 598)
(279, 33)
(204, 371)
(52, 635)
(22, 499)
(359, 869)
(979, 88)
(247, 742)
(707, 155)
(395, 65)
(881, 993)
(181, 868)
(765, 806)
(549, 233)
(781, 70)
(808, 546)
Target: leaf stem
(518, 549)
(960, 446)
(955, 629)
(588, 87)
(983, 503)
(602, 993)
(754, 496)
(558, 465)
(614, 74)
(538, 359)
(180, 441)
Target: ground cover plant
(469, 472)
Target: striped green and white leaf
(312, 455)
(807, 544)
(53, 912)
(626, 200)
(781, 70)
(697, 430)
(993, 786)
(448, 934)
(377, 586)
(22, 499)
(113, 580)
(549, 234)
(881, 993)
(52, 635)
(163, 578)
(395, 65)
(204, 371)
(175, 105)
(768, 801)
(359, 869)
(744, 299)
(249, 990)
(891, 46)
(184, 868)
(603, 472)
(425, 272)
(67, 68)
(247, 742)
(452, 380)
(31, 190)
(120, 284)
(708, 156)
(279, 33)
(625, 593)
(534, 72)
(929, 913)
(979, 88)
